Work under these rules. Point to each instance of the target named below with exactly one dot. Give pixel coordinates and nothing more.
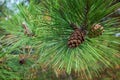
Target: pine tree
(70, 35)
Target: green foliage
(54, 50)
(49, 23)
(16, 39)
(84, 13)
(11, 69)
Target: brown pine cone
(76, 38)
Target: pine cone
(96, 30)
(22, 61)
(76, 38)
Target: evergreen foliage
(44, 29)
